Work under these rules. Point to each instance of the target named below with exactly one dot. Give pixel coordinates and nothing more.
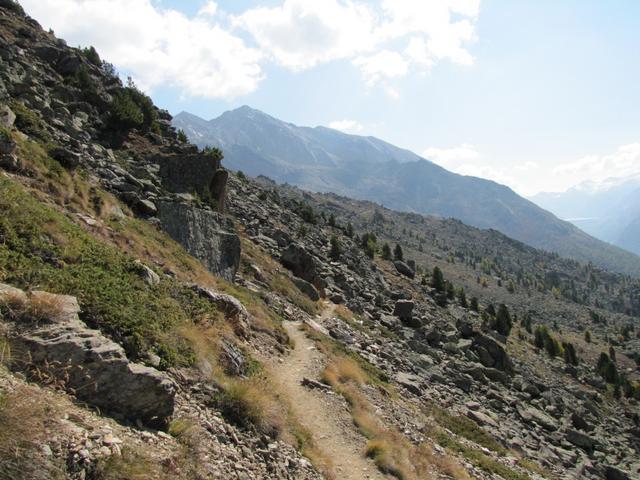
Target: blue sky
(540, 95)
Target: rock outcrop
(57, 346)
(204, 234)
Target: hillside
(609, 211)
(164, 318)
(324, 160)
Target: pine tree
(437, 279)
(397, 253)
(474, 304)
(349, 231)
(386, 252)
(503, 322)
(336, 249)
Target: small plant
(28, 122)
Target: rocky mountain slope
(325, 160)
(609, 211)
(163, 318)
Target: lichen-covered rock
(204, 234)
(62, 349)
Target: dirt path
(323, 414)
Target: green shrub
(336, 249)
(570, 355)
(92, 55)
(131, 108)
(28, 121)
(182, 137)
(607, 369)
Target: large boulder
(404, 269)
(302, 264)
(205, 234)
(62, 349)
(308, 289)
(491, 353)
(404, 311)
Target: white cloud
(435, 35)
(382, 66)
(346, 125)
(159, 47)
(465, 159)
(453, 156)
(218, 55)
(300, 34)
(208, 9)
(384, 40)
(599, 169)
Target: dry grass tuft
(342, 312)
(36, 308)
(343, 370)
(130, 465)
(23, 418)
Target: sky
(540, 95)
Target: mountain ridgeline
(325, 160)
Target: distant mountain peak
(325, 160)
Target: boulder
(7, 144)
(404, 269)
(146, 207)
(613, 473)
(306, 288)
(89, 365)
(581, 440)
(150, 277)
(404, 311)
(7, 117)
(491, 353)
(482, 418)
(230, 306)
(204, 234)
(66, 158)
(301, 263)
(410, 382)
(531, 414)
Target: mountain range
(608, 210)
(326, 160)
